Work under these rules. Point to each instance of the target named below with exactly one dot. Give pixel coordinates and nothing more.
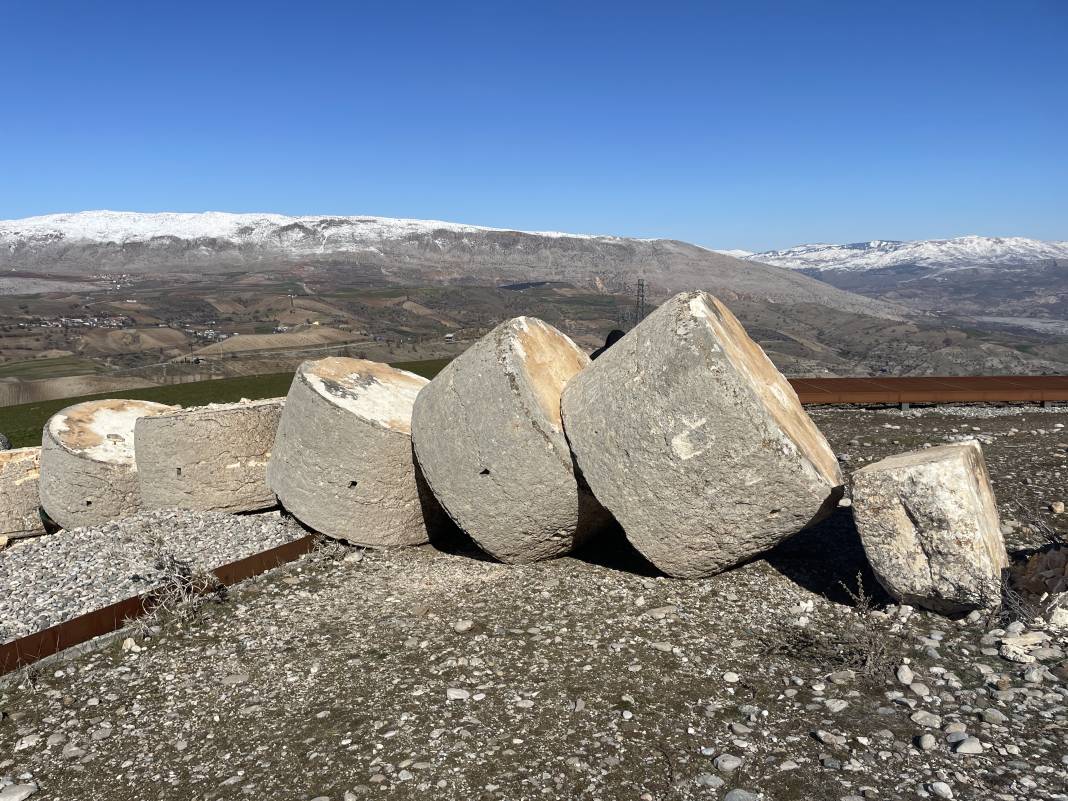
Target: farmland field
(48, 368)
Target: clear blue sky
(747, 124)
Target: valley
(106, 301)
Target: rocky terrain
(433, 672)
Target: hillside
(992, 279)
(376, 249)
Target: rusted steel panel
(932, 389)
(26, 650)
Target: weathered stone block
(208, 458)
(688, 434)
(490, 443)
(929, 524)
(342, 460)
(88, 472)
(20, 515)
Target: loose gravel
(55, 578)
(422, 674)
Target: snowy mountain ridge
(319, 232)
(944, 254)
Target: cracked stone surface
(88, 472)
(696, 444)
(489, 440)
(342, 458)
(208, 458)
(20, 471)
(930, 527)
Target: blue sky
(748, 124)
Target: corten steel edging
(932, 389)
(27, 650)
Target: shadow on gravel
(828, 559)
(609, 548)
(442, 531)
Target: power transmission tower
(639, 305)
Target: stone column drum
(88, 472)
(490, 443)
(20, 470)
(342, 460)
(208, 458)
(688, 434)
(930, 527)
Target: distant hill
(963, 252)
(992, 279)
(395, 251)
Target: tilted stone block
(688, 434)
(208, 458)
(88, 472)
(342, 460)
(930, 527)
(490, 443)
(20, 515)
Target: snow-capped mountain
(941, 254)
(323, 233)
(396, 251)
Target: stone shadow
(828, 559)
(609, 548)
(444, 534)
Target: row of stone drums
(683, 431)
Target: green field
(48, 368)
(23, 423)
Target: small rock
(709, 780)
(969, 745)
(994, 716)
(457, 694)
(727, 763)
(941, 789)
(17, 792)
(927, 719)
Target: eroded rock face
(20, 470)
(209, 458)
(342, 458)
(930, 528)
(88, 470)
(696, 444)
(490, 442)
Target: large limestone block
(20, 470)
(490, 443)
(930, 527)
(342, 460)
(88, 472)
(688, 434)
(208, 458)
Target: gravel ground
(53, 578)
(421, 673)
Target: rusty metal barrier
(933, 389)
(27, 650)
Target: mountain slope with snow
(411, 252)
(121, 227)
(941, 254)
